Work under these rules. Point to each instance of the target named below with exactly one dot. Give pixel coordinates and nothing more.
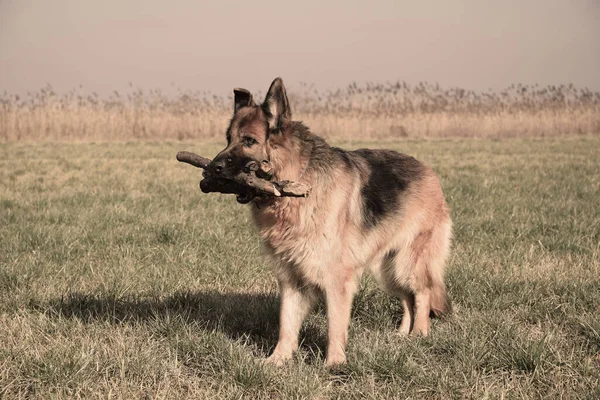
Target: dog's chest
(294, 236)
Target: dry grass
(119, 279)
(356, 112)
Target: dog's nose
(218, 166)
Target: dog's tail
(440, 302)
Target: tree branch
(248, 184)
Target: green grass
(120, 279)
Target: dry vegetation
(119, 279)
(372, 111)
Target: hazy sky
(217, 45)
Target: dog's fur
(368, 208)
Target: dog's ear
(276, 105)
(242, 98)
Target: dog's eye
(249, 141)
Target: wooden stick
(193, 159)
(246, 185)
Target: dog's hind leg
(392, 273)
(422, 309)
(408, 315)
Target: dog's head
(254, 130)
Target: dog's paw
(333, 362)
(276, 360)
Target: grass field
(120, 279)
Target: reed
(356, 112)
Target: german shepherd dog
(368, 208)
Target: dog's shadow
(253, 317)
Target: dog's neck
(290, 155)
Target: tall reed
(370, 111)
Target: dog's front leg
(339, 305)
(296, 303)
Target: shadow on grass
(252, 317)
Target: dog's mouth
(244, 194)
(245, 198)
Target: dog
(368, 209)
